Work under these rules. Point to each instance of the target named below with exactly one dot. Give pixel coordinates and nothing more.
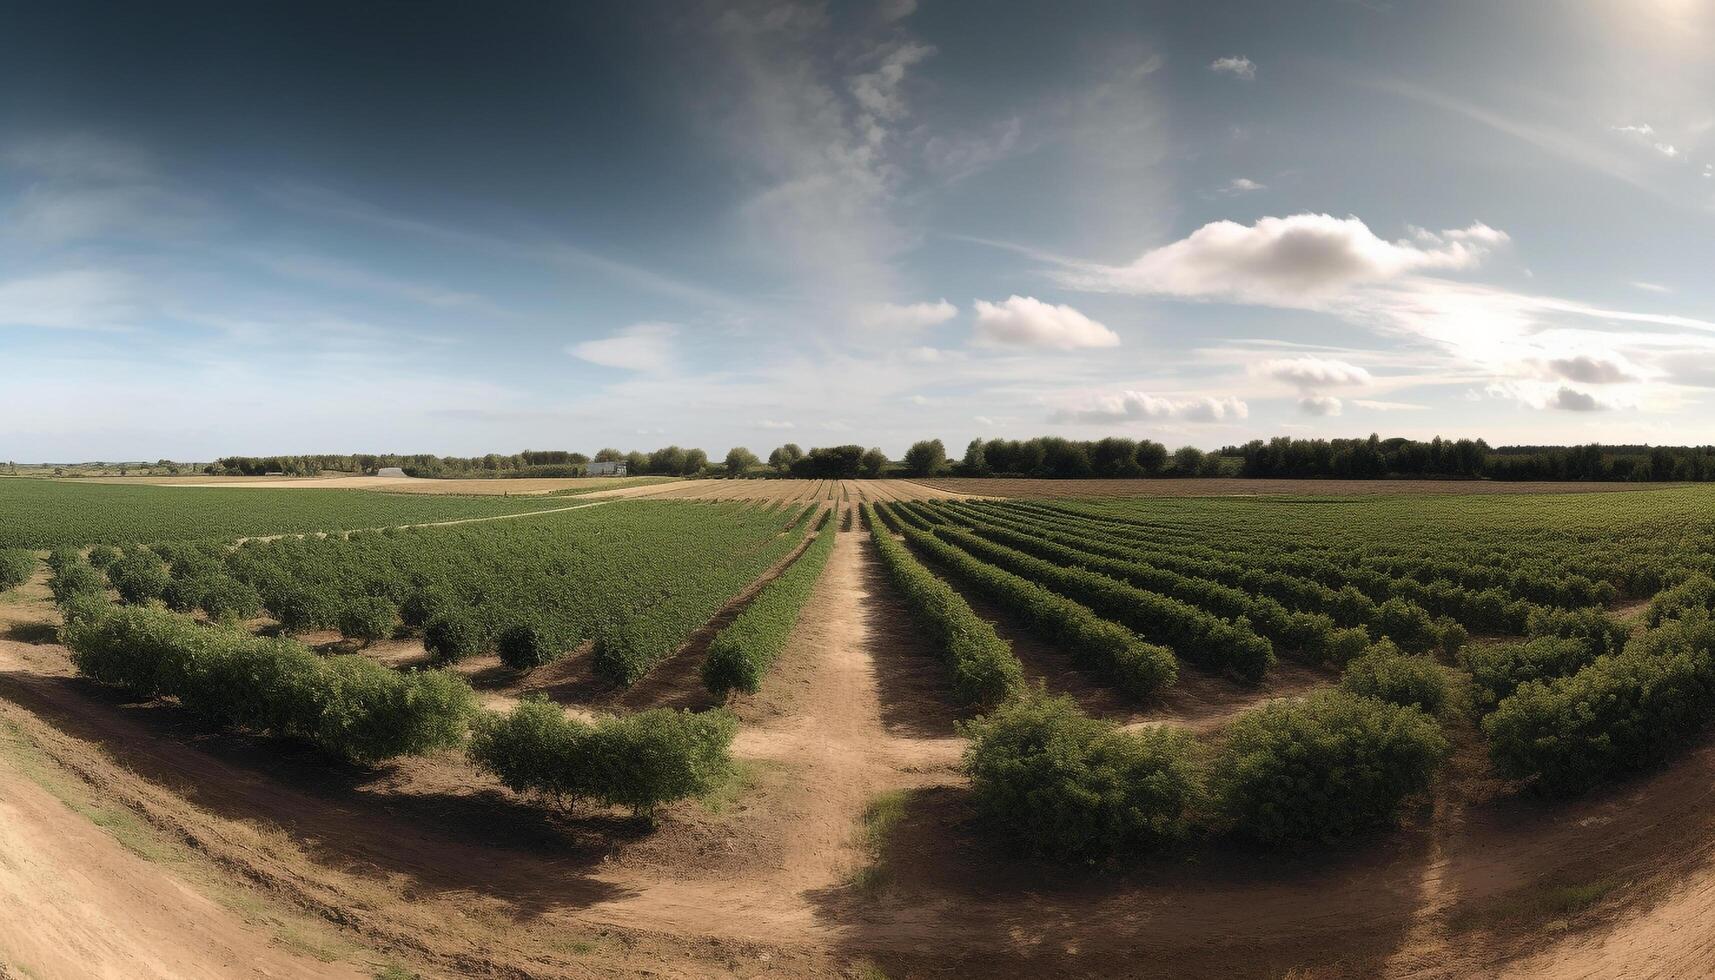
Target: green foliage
(16, 567)
(1693, 596)
(302, 608)
(523, 646)
(74, 579)
(103, 555)
(1398, 678)
(1497, 671)
(1323, 768)
(1621, 713)
(640, 761)
(740, 655)
(349, 706)
(230, 600)
(138, 577)
(985, 671)
(368, 618)
(1064, 784)
(453, 635)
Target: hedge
(1621, 713)
(1066, 785)
(1598, 631)
(639, 761)
(138, 577)
(1322, 768)
(71, 580)
(741, 653)
(348, 705)
(1138, 668)
(523, 646)
(1497, 671)
(453, 635)
(16, 567)
(368, 618)
(985, 671)
(1695, 594)
(1384, 673)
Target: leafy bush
(228, 599)
(1623, 712)
(1598, 631)
(302, 609)
(350, 705)
(741, 653)
(16, 567)
(640, 761)
(1497, 671)
(523, 646)
(63, 557)
(453, 635)
(72, 580)
(103, 555)
(1696, 594)
(1407, 624)
(184, 595)
(1398, 678)
(1345, 644)
(1323, 768)
(367, 619)
(1067, 785)
(138, 577)
(423, 603)
(985, 671)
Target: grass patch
(1536, 904)
(725, 795)
(880, 818)
(394, 971)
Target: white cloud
(1312, 372)
(877, 91)
(1650, 287)
(1025, 321)
(1242, 185)
(775, 424)
(1571, 400)
(931, 355)
(1139, 406)
(1323, 405)
(889, 316)
(1641, 129)
(1284, 260)
(1237, 65)
(73, 299)
(1593, 369)
(1381, 406)
(639, 347)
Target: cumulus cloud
(1650, 287)
(1025, 321)
(1380, 406)
(639, 347)
(1242, 185)
(1236, 65)
(1286, 260)
(1139, 406)
(1572, 400)
(1312, 372)
(1593, 369)
(893, 316)
(1322, 405)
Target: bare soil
(1234, 487)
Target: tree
(1187, 461)
(1115, 457)
(976, 461)
(695, 462)
(874, 463)
(1151, 457)
(926, 458)
(783, 458)
(739, 460)
(608, 456)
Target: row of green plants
(16, 567)
(1193, 634)
(358, 710)
(741, 654)
(984, 669)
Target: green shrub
(16, 567)
(72, 580)
(138, 577)
(1407, 624)
(1398, 678)
(64, 557)
(1326, 767)
(184, 595)
(1621, 713)
(349, 706)
(1598, 631)
(1345, 644)
(1063, 784)
(302, 609)
(1497, 671)
(523, 646)
(1696, 594)
(453, 635)
(230, 600)
(103, 555)
(423, 604)
(985, 671)
(367, 619)
(640, 761)
(741, 653)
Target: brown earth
(430, 862)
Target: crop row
(741, 654)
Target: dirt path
(74, 903)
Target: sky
(464, 228)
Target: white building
(614, 467)
(389, 471)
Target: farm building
(390, 471)
(615, 467)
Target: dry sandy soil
(429, 863)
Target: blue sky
(459, 228)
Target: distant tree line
(1058, 458)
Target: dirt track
(431, 862)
